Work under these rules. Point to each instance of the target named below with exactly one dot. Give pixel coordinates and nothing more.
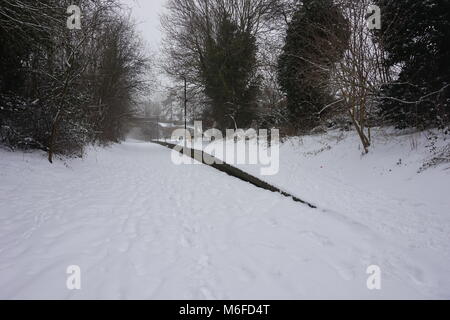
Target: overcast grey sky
(147, 14)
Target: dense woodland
(299, 66)
(307, 66)
(63, 88)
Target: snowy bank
(141, 227)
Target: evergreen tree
(316, 39)
(416, 36)
(228, 72)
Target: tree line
(307, 65)
(63, 88)
(297, 65)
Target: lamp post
(185, 112)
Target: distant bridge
(143, 121)
(155, 127)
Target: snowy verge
(141, 227)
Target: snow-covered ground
(141, 227)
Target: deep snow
(141, 227)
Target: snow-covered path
(141, 227)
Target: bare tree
(358, 77)
(66, 87)
(191, 26)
